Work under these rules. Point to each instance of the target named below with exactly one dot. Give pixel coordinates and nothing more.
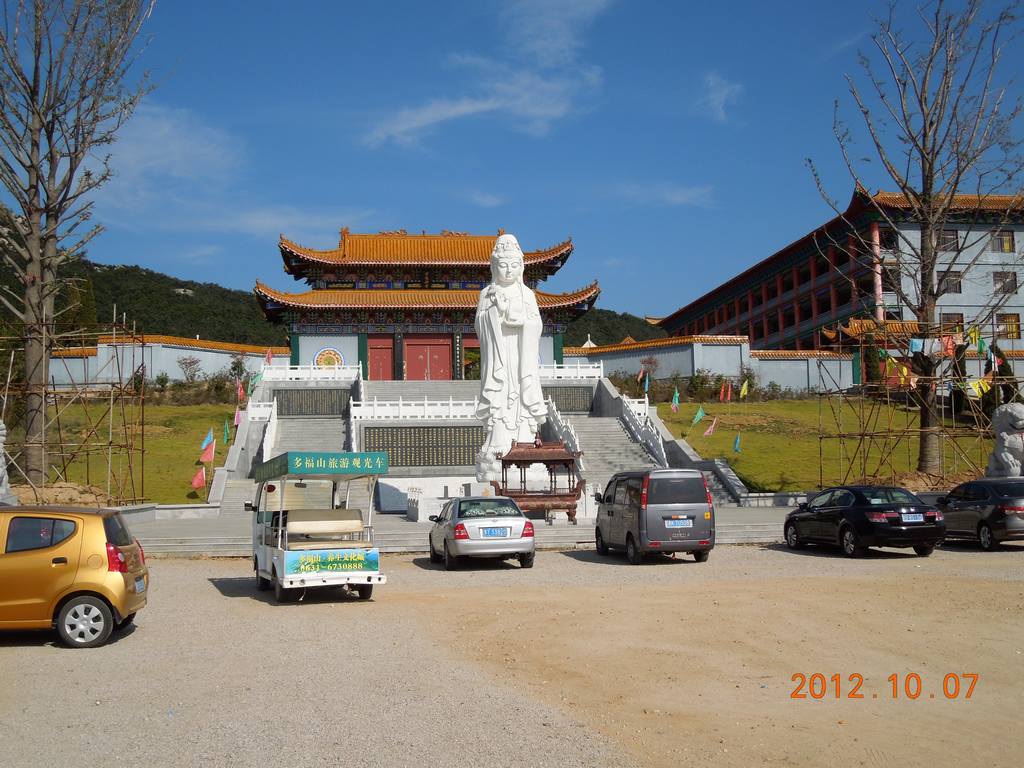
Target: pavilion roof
(402, 248)
(337, 298)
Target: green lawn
(780, 449)
(173, 434)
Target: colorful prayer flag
(270, 356)
(721, 393)
(711, 430)
(698, 415)
(238, 415)
(916, 345)
(640, 375)
(207, 440)
(743, 389)
(736, 443)
(981, 346)
(728, 393)
(647, 382)
(974, 335)
(227, 432)
(207, 457)
(240, 390)
(675, 401)
(199, 479)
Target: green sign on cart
(322, 463)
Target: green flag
(227, 432)
(699, 414)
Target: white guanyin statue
(509, 326)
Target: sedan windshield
(488, 508)
(890, 496)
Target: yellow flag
(974, 335)
(743, 390)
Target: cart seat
(306, 544)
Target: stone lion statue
(1008, 456)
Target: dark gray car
(989, 511)
(656, 510)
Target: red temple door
(428, 358)
(381, 357)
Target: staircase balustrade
(386, 410)
(643, 429)
(574, 370)
(564, 431)
(311, 372)
(270, 435)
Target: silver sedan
(481, 526)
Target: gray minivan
(656, 510)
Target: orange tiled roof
(671, 341)
(798, 354)
(960, 202)
(859, 326)
(175, 341)
(402, 248)
(336, 298)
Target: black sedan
(989, 510)
(856, 517)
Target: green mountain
(607, 327)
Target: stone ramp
(310, 433)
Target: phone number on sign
(908, 686)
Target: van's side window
(620, 492)
(633, 489)
(609, 493)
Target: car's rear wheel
(281, 594)
(923, 550)
(434, 557)
(365, 591)
(701, 555)
(850, 542)
(986, 538)
(633, 553)
(85, 622)
(451, 562)
(599, 542)
(792, 537)
(526, 560)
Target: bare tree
(942, 128)
(190, 368)
(64, 93)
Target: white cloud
(537, 81)
(717, 96)
(661, 193)
(174, 172)
(200, 254)
(485, 199)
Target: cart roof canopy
(322, 464)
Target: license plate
(679, 523)
(495, 532)
(140, 585)
(915, 517)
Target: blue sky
(668, 142)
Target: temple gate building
(403, 305)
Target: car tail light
(707, 493)
(877, 517)
(1006, 508)
(527, 530)
(461, 532)
(142, 552)
(115, 560)
(937, 513)
(643, 493)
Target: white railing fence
(574, 370)
(563, 430)
(270, 435)
(311, 372)
(353, 430)
(402, 408)
(639, 406)
(644, 431)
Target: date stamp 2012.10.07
(908, 686)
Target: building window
(951, 321)
(1008, 326)
(949, 240)
(890, 277)
(888, 240)
(1004, 282)
(1002, 241)
(949, 282)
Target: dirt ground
(582, 661)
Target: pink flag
(711, 430)
(640, 375)
(721, 394)
(238, 416)
(728, 393)
(207, 457)
(270, 356)
(241, 392)
(199, 480)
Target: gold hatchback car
(78, 571)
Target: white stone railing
(575, 370)
(353, 432)
(258, 411)
(311, 372)
(639, 406)
(402, 408)
(270, 435)
(643, 430)
(563, 431)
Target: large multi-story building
(849, 267)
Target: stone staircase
(236, 493)
(310, 433)
(607, 448)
